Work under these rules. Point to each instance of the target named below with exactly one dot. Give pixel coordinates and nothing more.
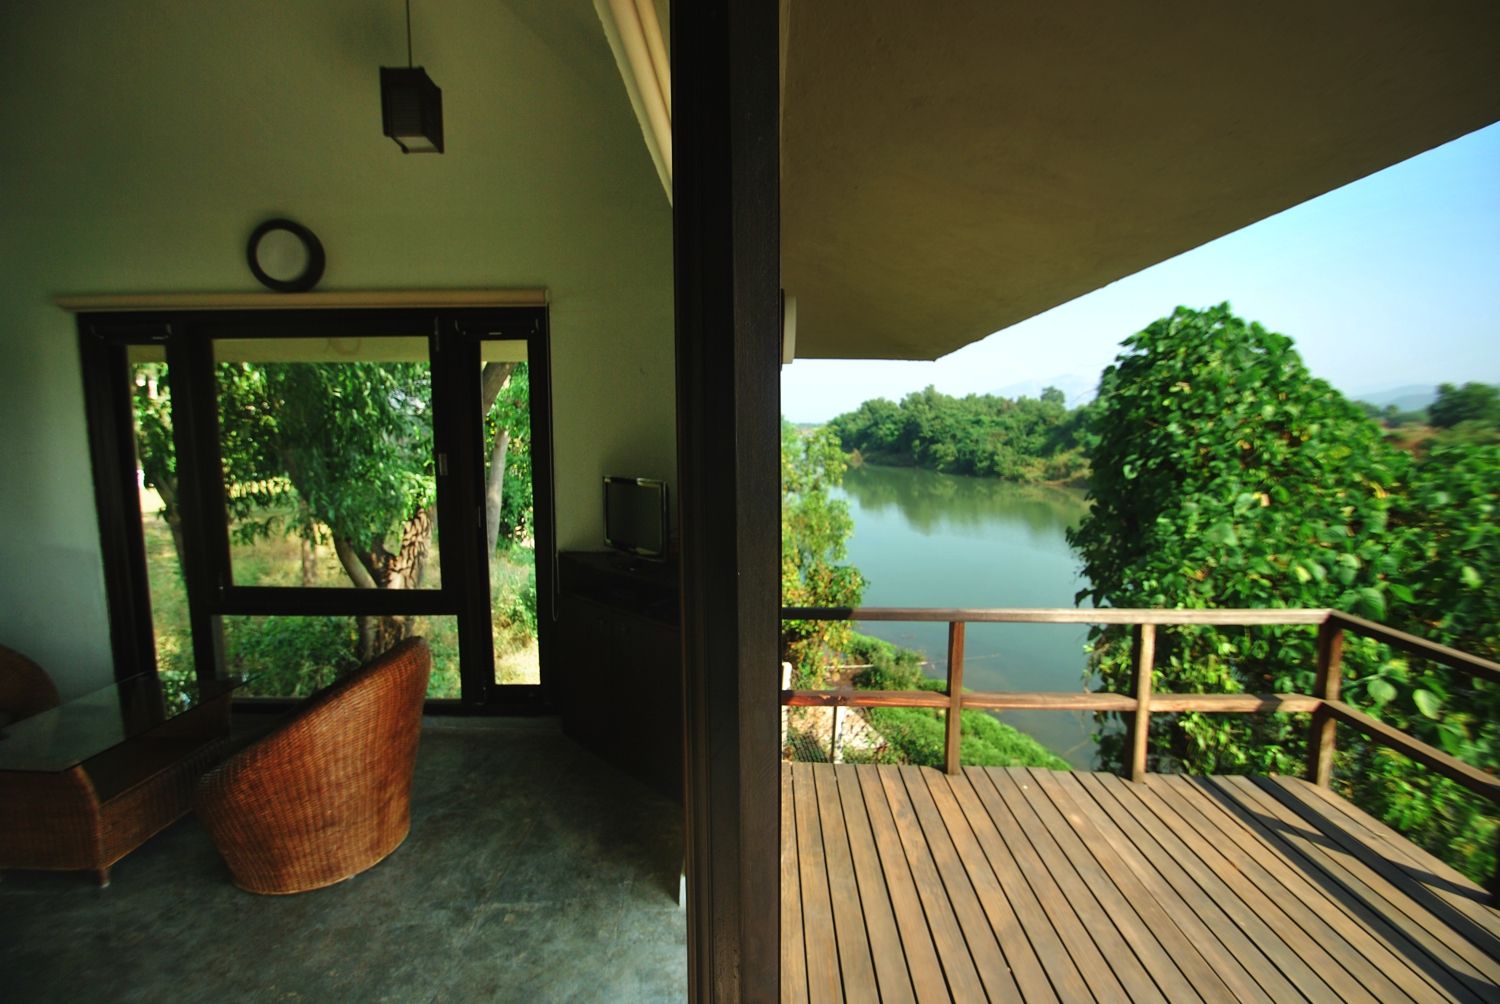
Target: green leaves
(1222, 533)
(1227, 475)
(1380, 690)
(1428, 703)
(814, 532)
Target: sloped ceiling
(951, 168)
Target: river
(924, 539)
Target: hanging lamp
(411, 105)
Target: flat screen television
(635, 516)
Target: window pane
(505, 399)
(295, 656)
(161, 519)
(328, 462)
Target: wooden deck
(906, 884)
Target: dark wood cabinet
(620, 655)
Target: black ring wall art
(285, 256)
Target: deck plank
(1106, 928)
(984, 948)
(1298, 955)
(1242, 986)
(1452, 897)
(903, 884)
(1184, 873)
(884, 944)
(793, 944)
(1052, 954)
(1480, 972)
(823, 979)
(855, 964)
(1016, 947)
(911, 920)
(1366, 958)
(1350, 898)
(1081, 839)
(1094, 969)
(958, 967)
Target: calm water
(924, 539)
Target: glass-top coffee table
(85, 783)
(99, 721)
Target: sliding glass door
(308, 488)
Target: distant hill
(1078, 390)
(1411, 397)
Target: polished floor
(533, 872)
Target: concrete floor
(533, 873)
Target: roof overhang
(952, 168)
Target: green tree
(1473, 402)
(1226, 475)
(814, 533)
(1026, 439)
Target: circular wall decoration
(285, 256)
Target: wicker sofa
(327, 794)
(90, 816)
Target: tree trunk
(168, 492)
(383, 570)
(309, 547)
(358, 572)
(492, 381)
(494, 487)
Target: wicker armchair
(327, 794)
(88, 817)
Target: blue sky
(1390, 281)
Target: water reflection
(930, 502)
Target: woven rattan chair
(327, 794)
(88, 817)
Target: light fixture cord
(408, 34)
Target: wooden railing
(1326, 707)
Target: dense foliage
(814, 531)
(1025, 439)
(1473, 402)
(1226, 475)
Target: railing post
(1320, 738)
(1140, 720)
(953, 732)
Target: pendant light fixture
(411, 105)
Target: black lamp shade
(411, 106)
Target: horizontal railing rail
(1325, 705)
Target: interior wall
(146, 139)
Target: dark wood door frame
(188, 335)
(727, 266)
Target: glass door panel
(161, 512)
(328, 463)
(510, 541)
